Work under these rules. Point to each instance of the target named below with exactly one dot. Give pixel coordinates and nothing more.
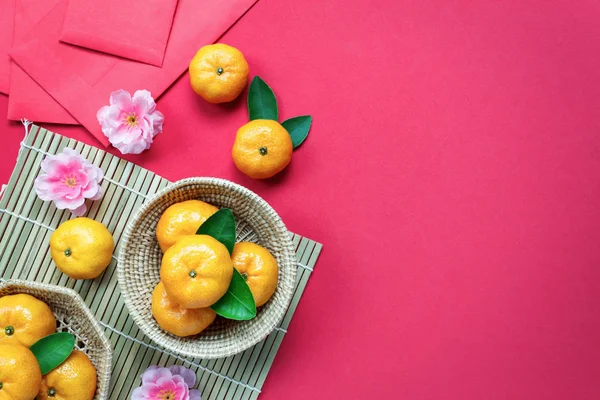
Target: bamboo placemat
(26, 224)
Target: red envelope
(29, 100)
(7, 19)
(81, 80)
(134, 29)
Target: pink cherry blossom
(67, 180)
(130, 124)
(171, 383)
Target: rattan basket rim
(145, 324)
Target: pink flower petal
(152, 391)
(145, 128)
(135, 134)
(108, 116)
(63, 203)
(135, 147)
(73, 192)
(68, 165)
(120, 134)
(66, 158)
(48, 188)
(52, 166)
(93, 172)
(149, 388)
(79, 211)
(166, 383)
(122, 99)
(44, 186)
(137, 394)
(143, 103)
(195, 395)
(182, 391)
(153, 375)
(71, 153)
(80, 176)
(90, 190)
(101, 114)
(156, 119)
(98, 194)
(188, 375)
(178, 380)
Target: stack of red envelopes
(61, 59)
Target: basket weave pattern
(140, 258)
(72, 315)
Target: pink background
(452, 174)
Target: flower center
(69, 181)
(131, 119)
(166, 395)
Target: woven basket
(140, 258)
(72, 315)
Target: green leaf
(53, 350)
(298, 128)
(261, 101)
(238, 303)
(221, 226)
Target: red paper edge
(4, 82)
(69, 89)
(122, 49)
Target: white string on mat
(26, 146)
(134, 339)
(26, 124)
(178, 357)
(126, 188)
(26, 219)
(305, 267)
(115, 257)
